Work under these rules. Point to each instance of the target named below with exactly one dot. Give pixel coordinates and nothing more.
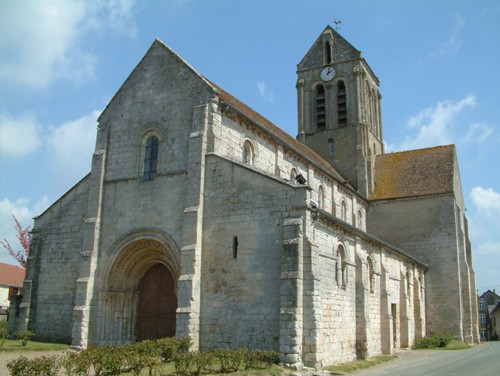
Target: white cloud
(452, 43)
(39, 40)
(487, 201)
(24, 213)
(488, 249)
(265, 94)
(478, 133)
(70, 145)
(18, 136)
(121, 16)
(433, 124)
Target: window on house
(248, 153)
(481, 305)
(13, 292)
(483, 318)
(342, 265)
(371, 275)
(341, 104)
(151, 158)
(320, 108)
(328, 53)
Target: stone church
(202, 218)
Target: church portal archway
(138, 294)
(157, 304)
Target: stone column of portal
(188, 309)
(85, 286)
(291, 315)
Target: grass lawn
(359, 364)
(15, 345)
(455, 344)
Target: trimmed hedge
(150, 354)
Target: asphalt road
(479, 360)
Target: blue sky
(62, 61)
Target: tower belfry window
(328, 53)
(341, 104)
(320, 108)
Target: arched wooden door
(157, 304)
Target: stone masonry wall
(241, 263)
(53, 267)
(434, 241)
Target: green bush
(75, 364)
(230, 359)
(24, 336)
(261, 359)
(433, 341)
(194, 363)
(41, 366)
(112, 360)
(107, 360)
(169, 348)
(4, 333)
(134, 358)
(141, 355)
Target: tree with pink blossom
(24, 236)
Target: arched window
(341, 269)
(360, 220)
(293, 175)
(331, 147)
(150, 158)
(320, 108)
(341, 104)
(328, 53)
(248, 153)
(371, 274)
(343, 211)
(321, 197)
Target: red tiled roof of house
(414, 173)
(11, 275)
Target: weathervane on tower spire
(337, 23)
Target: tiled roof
(414, 173)
(11, 275)
(276, 131)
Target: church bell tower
(339, 109)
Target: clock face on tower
(328, 73)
